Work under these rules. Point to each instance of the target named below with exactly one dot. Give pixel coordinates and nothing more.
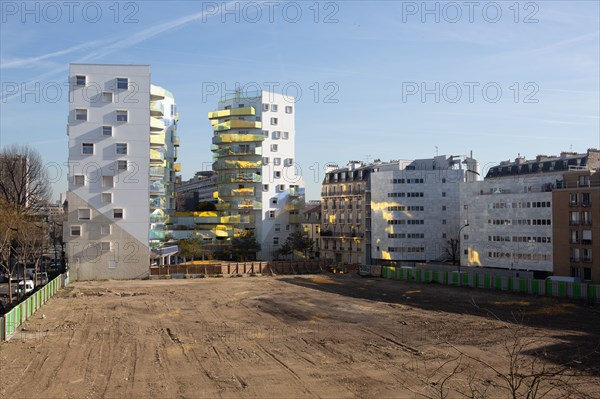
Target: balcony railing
(246, 111)
(237, 124)
(156, 125)
(236, 164)
(157, 109)
(238, 192)
(231, 151)
(234, 219)
(176, 141)
(241, 178)
(157, 171)
(237, 138)
(157, 203)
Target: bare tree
(452, 250)
(23, 181)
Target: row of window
(274, 108)
(276, 135)
(585, 237)
(277, 161)
(342, 204)
(520, 222)
(122, 83)
(406, 208)
(580, 255)
(544, 240)
(409, 221)
(406, 249)
(81, 114)
(107, 181)
(584, 199)
(503, 205)
(585, 273)
(406, 235)
(520, 256)
(88, 148)
(407, 181)
(408, 195)
(76, 230)
(583, 218)
(343, 189)
(279, 188)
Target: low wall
(237, 268)
(24, 310)
(559, 289)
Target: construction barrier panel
(559, 289)
(24, 310)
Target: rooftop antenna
(436, 151)
(368, 156)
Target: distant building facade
(200, 188)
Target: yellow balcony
(237, 124)
(177, 167)
(159, 93)
(236, 151)
(237, 138)
(157, 109)
(156, 125)
(176, 141)
(246, 111)
(236, 164)
(234, 219)
(158, 139)
(238, 192)
(294, 206)
(156, 156)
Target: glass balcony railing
(294, 206)
(237, 124)
(245, 205)
(156, 125)
(156, 155)
(237, 138)
(237, 151)
(246, 111)
(156, 187)
(235, 219)
(157, 203)
(157, 234)
(296, 192)
(238, 192)
(157, 109)
(236, 164)
(158, 139)
(240, 178)
(157, 171)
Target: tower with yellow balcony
(259, 186)
(164, 143)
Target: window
(87, 148)
(274, 107)
(79, 180)
(288, 162)
(265, 107)
(276, 161)
(443, 221)
(586, 236)
(587, 254)
(281, 187)
(83, 214)
(274, 147)
(573, 199)
(276, 135)
(274, 201)
(584, 181)
(121, 148)
(443, 193)
(443, 207)
(121, 165)
(573, 218)
(105, 229)
(106, 198)
(265, 187)
(80, 80)
(240, 105)
(121, 116)
(105, 246)
(443, 180)
(107, 181)
(275, 240)
(265, 160)
(277, 174)
(107, 97)
(266, 133)
(271, 214)
(122, 83)
(289, 109)
(586, 218)
(75, 231)
(587, 273)
(274, 121)
(465, 207)
(277, 227)
(586, 199)
(81, 114)
(285, 135)
(118, 213)
(107, 131)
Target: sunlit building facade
(258, 186)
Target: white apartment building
(258, 182)
(415, 208)
(115, 117)
(509, 216)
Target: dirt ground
(297, 336)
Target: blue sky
(360, 67)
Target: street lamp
(460, 252)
